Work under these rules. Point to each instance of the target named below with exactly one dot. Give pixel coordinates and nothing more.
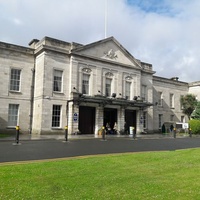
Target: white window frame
(171, 100)
(160, 99)
(56, 116)
(128, 90)
(85, 83)
(183, 119)
(144, 92)
(108, 86)
(108, 76)
(171, 118)
(160, 118)
(57, 80)
(145, 120)
(13, 115)
(15, 79)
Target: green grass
(4, 135)
(169, 175)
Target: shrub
(195, 126)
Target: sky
(164, 33)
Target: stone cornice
(16, 48)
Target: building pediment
(108, 49)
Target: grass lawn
(4, 135)
(169, 175)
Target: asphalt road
(49, 149)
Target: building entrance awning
(103, 100)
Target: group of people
(110, 130)
(113, 130)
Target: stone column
(99, 118)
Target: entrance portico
(96, 111)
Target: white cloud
(164, 34)
(17, 22)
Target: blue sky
(164, 33)
(161, 7)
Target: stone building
(52, 84)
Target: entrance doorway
(110, 117)
(130, 118)
(86, 120)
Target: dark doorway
(130, 118)
(86, 120)
(110, 117)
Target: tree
(196, 112)
(188, 103)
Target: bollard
(190, 132)
(174, 132)
(66, 133)
(103, 133)
(133, 129)
(17, 134)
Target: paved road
(49, 149)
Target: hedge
(195, 126)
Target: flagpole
(106, 6)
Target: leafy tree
(196, 112)
(188, 103)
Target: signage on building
(182, 125)
(75, 117)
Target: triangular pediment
(108, 49)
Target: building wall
(100, 59)
(194, 88)
(167, 87)
(12, 56)
(45, 97)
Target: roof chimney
(174, 78)
(33, 42)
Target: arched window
(128, 82)
(86, 80)
(108, 83)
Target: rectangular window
(144, 92)
(108, 87)
(181, 106)
(56, 115)
(85, 84)
(57, 81)
(183, 119)
(127, 90)
(15, 79)
(171, 101)
(160, 121)
(171, 118)
(144, 120)
(160, 98)
(13, 112)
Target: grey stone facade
(54, 75)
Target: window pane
(56, 115)
(57, 81)
(108, 87)
(160, 120)
(144, 93)
(15, 79)
(144, 119)
(127, 89)
(171, 100)
(160, 98)
(13, 114)
(85, 84)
